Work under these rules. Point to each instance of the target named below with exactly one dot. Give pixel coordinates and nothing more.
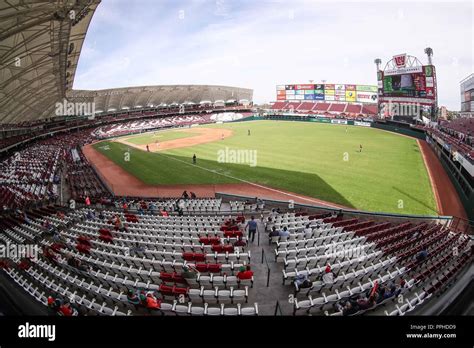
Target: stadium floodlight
(378, 62)
(429, 53)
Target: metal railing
(278, 310)
(264, 259)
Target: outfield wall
(463, 188)
(400, 130)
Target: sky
(259, 44)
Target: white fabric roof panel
(40, 44)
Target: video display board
(328, 92)
(411, 85)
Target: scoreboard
(414, 85)
(327, 92)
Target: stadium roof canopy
(40, 44)
(117, 99)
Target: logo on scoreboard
(400, 60)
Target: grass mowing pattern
(307, 158)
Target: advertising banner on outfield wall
(281, 88)
(321, 120)
(339, 121)
(329, 97)
(362, 124)
(340, 97)
(340, 87)
(281, 97)
(309, 97)
(290, 92)
(350, 87)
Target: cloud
(259, 44)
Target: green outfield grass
(151, 137)
(318, 160)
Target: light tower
(429, 53)
(378, 62)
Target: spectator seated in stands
(132, 297)
(349, 308)
(67, 310)
(417, 234)
(284, 232)
(308, 229)
(90, 215)
(231, 224)
(240, 242)
(269, 220)
(151, 208)
(152, 302)
(164, 213)
(190, 273)
(49, 254)
(73, 262)
(118, 223)
(54, 304)
(245, 273)
(392, 290)
(193, 195)
(301, 281)
(101, 215)
(328, 276)
(185, 195)
(274, 232)
(422, 255)
(364, 303)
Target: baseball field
(357, 167)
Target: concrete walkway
(267, 297)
